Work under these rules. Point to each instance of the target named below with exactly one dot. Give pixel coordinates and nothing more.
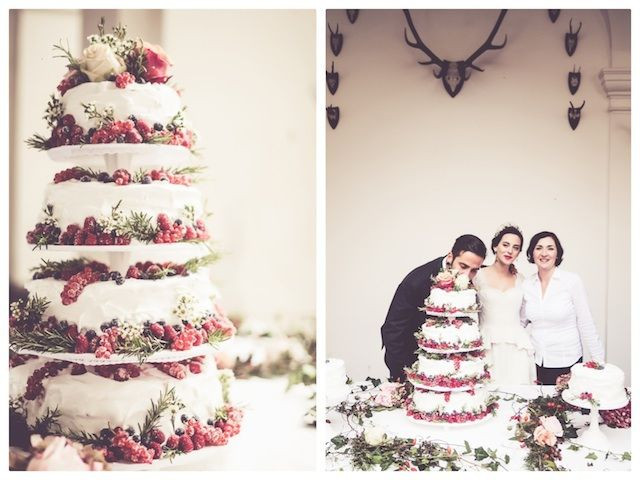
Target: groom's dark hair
(469, 243)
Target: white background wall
(249, 84)
(409, 168)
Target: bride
(510, 352)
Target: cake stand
(593, 437)
(122, 155)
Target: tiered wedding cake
(117, 353)
(451, 365)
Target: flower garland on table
(543, 425)
(370, 448)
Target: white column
(616, 83)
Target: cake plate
(470, 314)
(593, 437)
(457, 350)
(420, 386)
(205, 457)
(122, 155)
(445, 425)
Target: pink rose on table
(525, 417)
(542, 436)
(552, 424)
(157, 63)
(58, 454)
(388, 395)
(445, 280)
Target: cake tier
(450, 371)
(443, 335)
(134, 302)
(152, 102)
(73, 201)
(124, 412)
(605, 383)
(440, 300)
(450, 407)
(335, 373)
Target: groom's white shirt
(560, 321)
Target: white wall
(410, 168)
(249, 84)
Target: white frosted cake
(450, 407)
(602, 384)
(336, 381)
(138, 304)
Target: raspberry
(173, 441)
(144, 128)
(133, 137)
(163, 221)
(67, 120)
(157, 449)
(90, 224)
(169, 333)
(198, 441)
(123, 79)
(157, 330)
(78, 369)
(82, 344)
(133, 272)
(121, 177)
(195, 367)
(157, 435)
(121, 374)
(185, 444)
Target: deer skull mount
(553, 15)
(574, 80)
(352, 15)
(333, 116)
(333, 79)
(335, 41)
(453, 74)
(574, 115)
(571, 39)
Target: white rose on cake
(100, 62)
(374, 436)
(462, 282)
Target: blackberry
(145, 440)
(119, 281)
(104, 277)
(85, 178)
(158, 126)
(170, 127)
(114, 322)
(185, 321)
(57, 275)
(211, 422)
(90, 132)
(113, 275)
(177, 328)
(196, 418)
(144, 276)
(105, 326)
(178, 222)
(106, 434)
(161, 322)
(179, 431)
(136, 438)
(146, 179)
(91, 334)
(184, 418)
(120, 139)
(147, 323)
(130, 430)
(63, 324)
(104, 177)
(132, 118)
(164, 179)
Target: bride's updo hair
(507, 229)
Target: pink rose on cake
(389, 395)
(445, 280)
(100, 62)
(157, 63)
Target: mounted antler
(571, 38)
(453, 74)
(573, 114)
(571, 29)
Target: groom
(404, 318)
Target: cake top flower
(114, 57)
(450, 279)
(594, 365)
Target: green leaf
(573, 447)
(339, 441)
(507, 458)
(467, 447)
(626, 456)
(592, 456)
(480, 453)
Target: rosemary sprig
(167, 400)
(74, 63)
(162, 139)
(49, 267)
(188, 170)
(141, 346)
(138, 225)
(81, 437)
(42, 340)
(29, 312)
(37, 141)
(193, 264)
(45, 423)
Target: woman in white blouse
(555, 303)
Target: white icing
(135, 301)
(335, 373)
(452, 334)
(427, 401)
(461, 300)
(90, 402)
(606, 385)
(473, 367)
(73, 200)
(153, 102)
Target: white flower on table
(374, 436)
(552, 424)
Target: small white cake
(450, 407)
(336, 381)
(451, 301)
(605, 383)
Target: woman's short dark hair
(539, 236)
(469, 243)
(509, 229)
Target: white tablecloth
(491, 433)
(273, 436)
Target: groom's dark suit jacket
(404, 319)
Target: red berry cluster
(444, 380)
(169, 232)
(123, 79)
(74, 286)
(126, 447)
(594, 365)
(458, 417)
(120, 131)
(34, 382)
(153, 271)
(179, 369)
(184, 138)
(66, 132)
(120, 373)
(121, 177)
(75, 173)
(91, 234)
(44, 233)
(70, 80)
(16, 360)
(163, 176)
(618, 418)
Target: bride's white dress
(509, 348)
